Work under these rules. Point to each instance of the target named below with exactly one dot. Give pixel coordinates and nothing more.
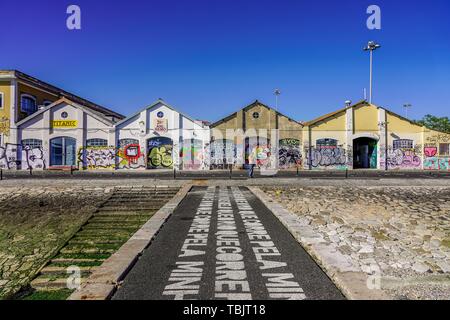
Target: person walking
(251, 163)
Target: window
(444, 149)
(32, 143)
(403, 144)
(97, 143)
(2, 99)
(255, 115)
(323, 143)
(126, 142)
(28, 104)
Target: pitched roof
(251, 105)
(27, 79)
(359, 103)
(99, 116)
(332, 114)
(160, 101)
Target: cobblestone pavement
(35, 222)
(401, 234)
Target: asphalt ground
(222, 243)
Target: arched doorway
(365, 153)
(159, 153)
(63, 152)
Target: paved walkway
(223, 243)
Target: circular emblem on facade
(255, 115)
(64, 115)
(160, 114)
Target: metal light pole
(276, 93)
(407, 106)
(275, 146)
(371, 46)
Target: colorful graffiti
(434, 163)
(192, 154)
(130, 157)
(327, 156)
(403, 158)
(430, 151)
(261, 155)
(160, 153)
(289, 154)
(97, 157)
(433, 160)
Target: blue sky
(209, 58)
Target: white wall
(180, 128)
(88, 127)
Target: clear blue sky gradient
(209, 58)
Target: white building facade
(160, 137)
(65, 135)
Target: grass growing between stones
(35, 223)
(97, 239)
(49, 295)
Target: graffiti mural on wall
(289, 154)
(192, 154)
(261, 155)
(258, 151)
(329, 156)
(434, 158)
(97, 157)
(223, 153)
(31, 158)
(404, 158)
(435, 163)
(404, 154)
(34, 158)
(130, 157)
(8, 156)
(430, 151)
(160, 150)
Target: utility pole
(371, 47)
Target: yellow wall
(365, 119)
(266, 120)
(289, 129)
(397, 124)
(333, 128)
(5, 115)
(40, 96)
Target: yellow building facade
(366, 136)
(274, 138)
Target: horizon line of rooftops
(118, 117)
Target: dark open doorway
(364, 153)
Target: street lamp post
(407, 106)
(277, 94)
(371, 46)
